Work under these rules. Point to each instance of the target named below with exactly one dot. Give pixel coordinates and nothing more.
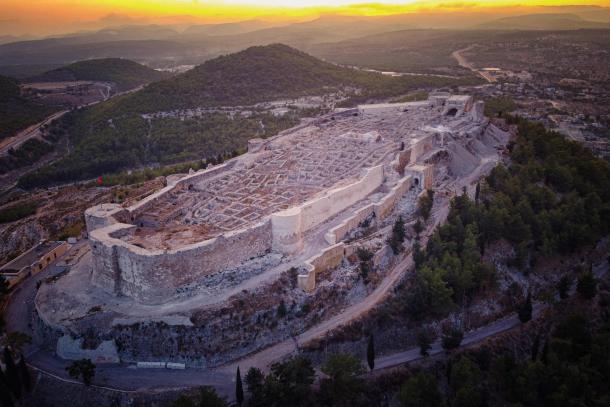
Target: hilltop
(120, 133)
(124, 73)
(16, 111)
(254, 75)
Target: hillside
(559, 21)
(114, 135)
(17, 112)
(124, 73)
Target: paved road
(470, 338)
(125, 378)
(24, 135)
(463, 62)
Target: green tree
(525, 309)
(429, 296)
(421, 390)
(425, 337)
(12, 374)
(209, 398)
(343, 385)
(425, 203)
(451, 338)
(82, 368)
(239, 390)
(465, 381)
(587, 285)
(397, 237)
(255, 380)
(290, 382)
(183, 401)
(5, 395)
(281, 309)
(24, 374)
(564, 286)
(16, 341)
(370, 352)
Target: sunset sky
(19, 17)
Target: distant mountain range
(161, 45)
(125, 74)
(543, 22)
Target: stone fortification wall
(381, 209)
(328, 258)
(103, 215)
(288, 226)
(333, 256)
(152, 276)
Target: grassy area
(412, 97)
(16, 212)
(499, 106)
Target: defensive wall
(151, 275)
(332, 256)
(288, 226)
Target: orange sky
(47, 16)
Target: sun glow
(65, 15)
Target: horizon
(56, 17)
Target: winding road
(124, 378)
(463, 62)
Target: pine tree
(535, 347)
(239, 389)
(12, 374)
(477, 193)
(370, 353)
(5, 395)
(587, 286)
(525, 310)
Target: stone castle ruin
(197, 272)
(297, 194)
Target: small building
(33, 261)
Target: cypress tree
(12, 374)
(370, 353)
(239, 389)
(5, 395)
(24, 373)
(525, 311)
(535, 347)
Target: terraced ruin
(214, 253)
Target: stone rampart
(152, 276)
(288, 226)
(327, 259)
(381, 209)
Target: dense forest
(125, 74)
(113, 136)
(16, 111)
(553, 199)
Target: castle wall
(152, 276)
(288, 226)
